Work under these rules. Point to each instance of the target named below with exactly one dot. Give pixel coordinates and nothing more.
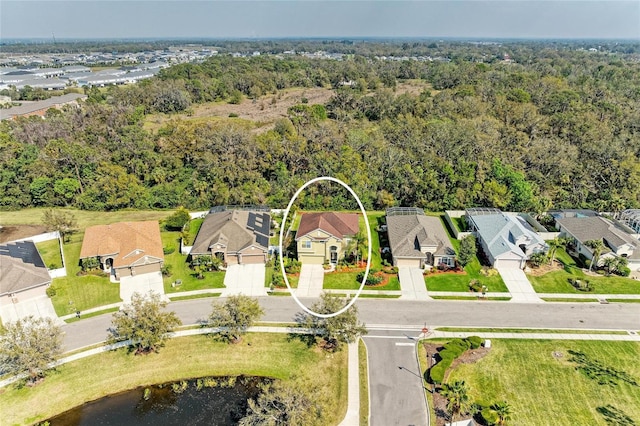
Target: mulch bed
(440, 402)
(544, 268)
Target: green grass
(50, 252)
(364, 383)
(84, 218)
(423, 359)
(623, 300)
(460, 282)
(195, 296)
(558, 281)
(376, 258)
(460, 223)
(569, 300)
(92, 314)
(469, 298)
(279, 293)
(82, 293)
(380, 296)
(180, 270)
(267, 355)
(528, 330)
(348, 281)
(194, 227)
(542, 389)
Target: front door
(334, 254)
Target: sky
(307, 18)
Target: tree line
(555, 128)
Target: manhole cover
(633, 333)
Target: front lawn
(50, 252)
(180, 270)
(542, 386)
(349, 281)
(266, 355)
(558, 281)
(376, 258)
(194, 227)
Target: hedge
(452, 350)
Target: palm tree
(554, 245)
(596, 247)
(457, 395)
(502, 411)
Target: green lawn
(349, 281)
(558, 281)
(75, 292)
(180, 270)
(528, 330)
(376, 259)
(364, 383)
(50, 252)
(194, 227)
(460, 282)
(543, 389)
(267, 355)
(84, 218)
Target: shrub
(452, 350)
(90, 263)
(166, 270)
(292, 266)
(233, 115)
(489, 416)
(168, 250)
(474, 341)
(51, 291)
(475, 285)
(372, 279)
(625, 272)
(177, 220)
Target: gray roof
(35, 106)
(407, 233)
(21, 267)
(501, 231)
(597, 228)
(235, 229)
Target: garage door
(311, 260)
(253, 259)
(411, 263)
(507, 263)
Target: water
(208, 406)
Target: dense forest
(550, 127)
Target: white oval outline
(284, 221)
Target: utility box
(487, 343)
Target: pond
(207, 401)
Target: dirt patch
(16, 232)
(544, 268)
(440, 402)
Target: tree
(282, 404)
(554, 245)
(336, 330)
(143, 322)
(467, 250)
(502, 410)
(30, 345)
(457, 394)
(596, 247)
(178, 219)
(61, 221)
(537, 259)
(235, 316)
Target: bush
(474, 341)
(168, 250)
(452, 350)
(371, 278)
(177, 220)
(51, 291)
(292, 266)
(90, 263)
(625, 272)
(233, 115)
(475, 285)
(489, 416)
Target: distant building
(40, 107)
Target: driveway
(396, 389)
(245, 279)
(143, 284)
(39, 307)
(310, 282)
(412, 284)
(519, 286)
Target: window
(306, 244)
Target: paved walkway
(519, 286)
(412, 284)
(310, 282)
(245, 279)
(353, 395)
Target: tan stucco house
(322, 237)
(234, 236)
(125, 248)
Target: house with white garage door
(506, 239)
(322, 237)
(237, 237)
(417, 240)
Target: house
(234, 236)
(506, 239)
(40, 108)
(617, 240)
(417, 240)
(23, 282)
(322, 237)
(125, 249)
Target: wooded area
(551, 127)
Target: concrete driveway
(310, 282)
(519, 286)
(39, 307)
(412, 284)
(395, 384)
(245, 279)
(143, 284)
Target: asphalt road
(395, 387)
(412, 315)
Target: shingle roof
(500, 231)
(337, 224)
(408, 232)
(235, 229)
(128, 241)
(21, 267)
(597, 228)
